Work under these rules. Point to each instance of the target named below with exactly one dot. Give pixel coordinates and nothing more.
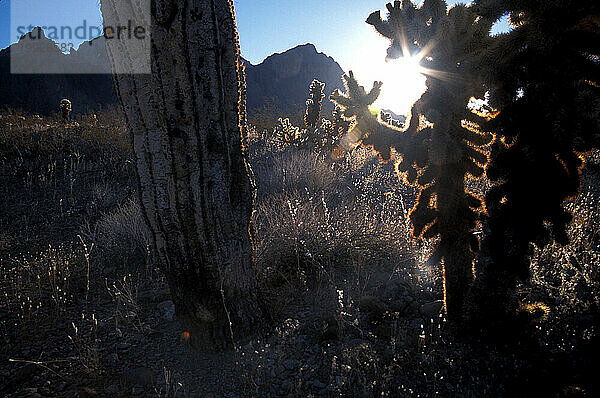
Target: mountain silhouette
(282, 79)
(42, 75)
(35, 92)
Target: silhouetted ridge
(280, 80)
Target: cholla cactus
(439, 149)
(65, 110)
(319, 134)
(286, 134)
(341, 125)
(322, 133)
(312, 115)
(543, 76)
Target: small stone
(123, 346)
(86, 392)
(317, 384)
(167, 308)
(29, 393)
(139, 376)
(111, 390)
(108, 271)
(291, 364)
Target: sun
(403, 79)
(403, 84)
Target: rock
(27, 393)
(432, 309)
(167, 308)
(317, 384)
(123, 346)
(86, 392)
(287, 386)
(111, 390)
(108, 271)
(146, 295)
(23, 374)
(137, 390)
(139, 376)
(291, 364)
(372, 307)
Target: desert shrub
(44, 149)
(314, 216)
(295, 170)
(48, 281)
(568, 275)
(122, 235)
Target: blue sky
(336, 27)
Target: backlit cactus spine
(65, 110)
(312, 116)
(439, 149)
(544, 78)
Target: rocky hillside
(283, 79)
(279, 82)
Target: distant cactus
(318, 133)
(65, 110)
(322, 133)
(286, 134)
(439, 148)
(312, 115)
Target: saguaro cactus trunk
(187, 122)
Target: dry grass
(347, 286)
